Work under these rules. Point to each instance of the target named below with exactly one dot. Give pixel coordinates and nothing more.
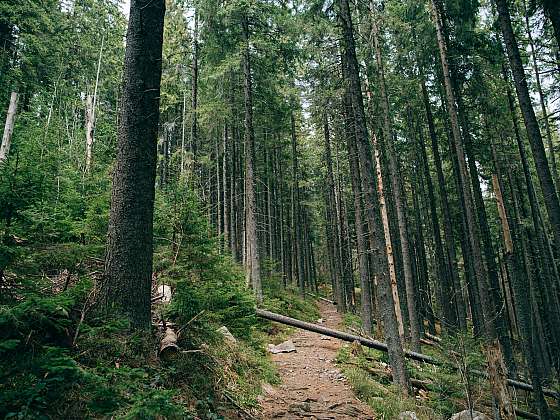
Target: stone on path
(466, 415)
(285, 347)
(408, 415)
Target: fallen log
(374, 344)
(168, 347)
(378, 345)
(432, 337)
(321, 298)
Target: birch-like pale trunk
(89, 131)
(387, 232)
(399, 194)
(9, 127)
(91, 104)
(183, 134)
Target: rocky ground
(312, 386)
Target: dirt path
(312, 386)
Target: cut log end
(168, 348)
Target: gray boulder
(285, 347)
(408, 415)
(466, 415)
(227, 335)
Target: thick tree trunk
(377, 240)
(530, 119)
(361, 236)
(194, 92)
(9, 127)
(225, 187)
(398, 195)
(89, 131)
(330, 206)
(252, 259)
(127, 282)
(298, 261)
(347, 302)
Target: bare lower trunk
(387, 234)
(361, 234)
(398, 195)
(182, 173)
(508, 244)
(225, 188)
(451, 292)
(371, 202)
(194, 93)
(127, 282)
(297, 234)
(89, 130)
(252, 258)
(9, 127)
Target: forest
(271, 209)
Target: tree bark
(377, 240)
(298, 261)
(445, 280)
(330, 206)
(454, 308)
(398, 195)
(194, 92)
(225, 187)
(91, 105)
(9, 127)
(387, 234)
(182, 173)
(127, 281)
(252, 259)
(361, 235)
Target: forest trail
(312, 386)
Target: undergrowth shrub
(49, 370)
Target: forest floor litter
(312, 386)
